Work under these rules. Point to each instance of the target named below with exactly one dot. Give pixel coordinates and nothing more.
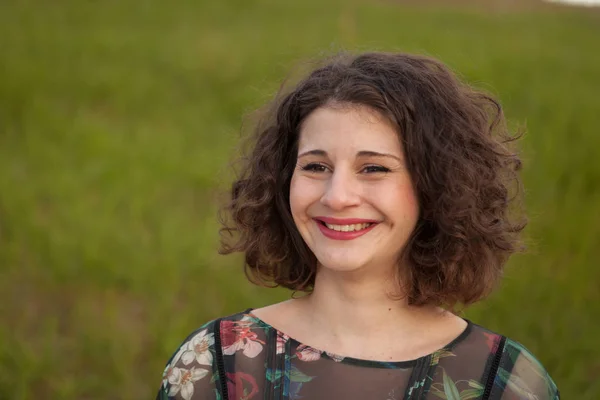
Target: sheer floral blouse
(241, 357)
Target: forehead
(352, 128)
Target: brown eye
(375, 168)
(315, 167)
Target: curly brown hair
(458, 155)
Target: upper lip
(345, 221)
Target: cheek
(412, 203)
(412, 212)
(398, 201)
(298, 197)
(408, 198)
(304, 193)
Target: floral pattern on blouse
(256, 361)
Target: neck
(347, 306)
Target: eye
(314, 167)
(370, 169)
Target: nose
(341, 191)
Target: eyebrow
(360, 154)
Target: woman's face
(351, 195)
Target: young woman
(383, 189)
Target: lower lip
(337, 235)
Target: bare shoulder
(286, 316)
(277, 314)
(450, 326)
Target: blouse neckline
(364, 362)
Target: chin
(341, 264)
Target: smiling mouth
(347, 228)
(344, 228)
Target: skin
(343, 183)
(351, 165)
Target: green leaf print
(475, 385)
(296, 375)
(162, 395)
(274, 375)
(516, 384)
(450, 389)
(516, 350)
(218, 395)
(435, 359)
(437, 392)
(513, 353)
(471, 394)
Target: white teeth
(348, 228)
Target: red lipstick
(339, 235)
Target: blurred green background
(117, 122)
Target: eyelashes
(376, 168)
(314, 167)
(368, 169)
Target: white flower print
(239, 336)
(251, 347)
(198, 348)
(335, 357)
(179, 353)
(281, 341)
(169, 368)
(182, 379)
(307, 353)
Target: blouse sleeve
(191, 373)
(521, 376)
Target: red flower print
(492, 341)
(228, 334)
(235, 385)
(237, 336)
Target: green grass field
(117, 122)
